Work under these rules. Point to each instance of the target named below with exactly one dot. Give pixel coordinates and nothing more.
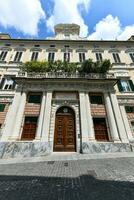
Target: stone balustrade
(65, 75)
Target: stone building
(43, 113)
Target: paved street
(110, 179)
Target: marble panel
(2, 148)
(40, 149)
(22, 149)
(88, 147)
(8, 151)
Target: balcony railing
(65, 75)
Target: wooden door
(64, 137)
(100, 129)
(29, 128)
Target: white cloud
(23, 15)
(126, 33)
(110, 28)
(66, 11)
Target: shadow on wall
(85, 187)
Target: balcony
(65, 75)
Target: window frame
(99, 56)
(18, 56)
(51, 56)
(132, 57)
(66, 56)
(2, 109)
(93, 95)
(34, 56)
(82, 57)
(34, 94)
(116, 57)
(3, 55)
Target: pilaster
(83, 117)
(126, 123)
(41, 117)
(111, 119)
(118, 118)
(89, 119)
(18, 120)
(10, 117)
(47, 115)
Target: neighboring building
(40, 114)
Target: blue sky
(99, 19)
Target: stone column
(126, 124)
(118, 118)
(19, 116)
(10, 117)
(83, 117)
(40, 121)
(111, 119)
(47, 115)
(89, 119)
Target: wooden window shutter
(131, 85)
(120, 86)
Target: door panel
(64, 137)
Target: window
(132, 125)
(2, 107)
(125, 85)
(66, 46)
(34, 56)
(129, 109)
(96, 99)
(116, 58)
(7, 84)
(132, 57)
(52, 46)
(3, 55)
(18, 56)
(51, 57)
(34, 98)
(81, 57)
(100, 129)
(29, 128)
(99, 57)
(7, 45)
(67, 57)
(37, 45)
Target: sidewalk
(67, 156)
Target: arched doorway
(64, 135)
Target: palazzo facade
(60, 112)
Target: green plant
(88, 66)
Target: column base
(124, 141)
(92, 140)
(116, 141)
(37, 140)
(131, 140)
